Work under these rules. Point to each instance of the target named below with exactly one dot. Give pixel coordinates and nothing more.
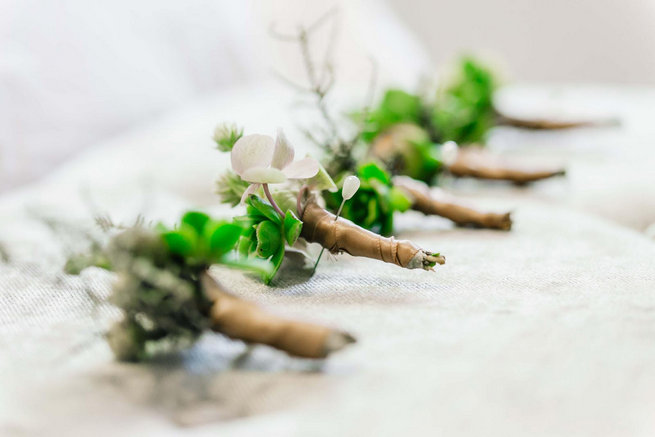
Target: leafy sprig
(266, 233)
(463, 111)
(373, 205)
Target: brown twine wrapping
(546, 124)
(320, 226)
(243, 320)
(472, 162)
(435, 203)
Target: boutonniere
(283, 206)
(168, 297)
(377, 158)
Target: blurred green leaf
(224, 237)
(182, 241)
(463, 111)
(399, 200)
(372, 170)
(197, 220)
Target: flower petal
(283, 154)
(252, 189)
(264, 175)
(252, 151)
(303, 169)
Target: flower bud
(449, 152)
(350, 187)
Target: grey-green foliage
(230, 187)
(159, 294)
(226, 135)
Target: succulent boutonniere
(168, 297)
(290, 209)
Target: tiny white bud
(350, 187)
(449, 152)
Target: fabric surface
(545, 330)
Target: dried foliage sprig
(273, 224)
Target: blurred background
(73, 72)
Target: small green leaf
(373, 171)
(247, 243)
(182, 241)
(262, 267)
(276, 262)
(399, 200)
(269, 239)
(292, 228)
(197, 220)
(224, 238)
(264, 208)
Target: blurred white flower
(259, 159)
(350, 187)
(449, 152)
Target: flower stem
(270, 199)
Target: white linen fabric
(546, 330)
(73, 73)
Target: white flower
(350, 187)
(259, 159)
(449, 152)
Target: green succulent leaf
(196, 220)
(260, 207)
(269, 239)
(292, 228)
(224, 237)
(399, 200)
(276, 262)
(182, 241)
(371, 171)
(262, 267)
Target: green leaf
(224, 237)
(292, 227)
(276, 261)
(197, 220)
(247, 242)
(399, 200)
(263, 267)
(269, 239)
(401, 105)
(264, 208)
(182, 241)
(374, 171)
(322, 181)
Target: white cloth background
(73, 73)
(547, 329)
